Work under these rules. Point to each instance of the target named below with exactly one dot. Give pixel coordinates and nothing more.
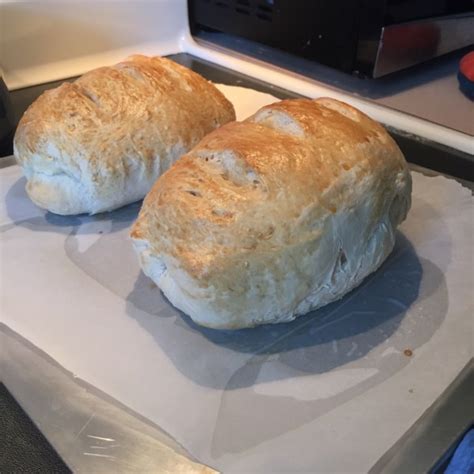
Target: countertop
(429, 90)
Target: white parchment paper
(331, 391)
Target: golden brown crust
(201, 213)
(112, 120)
(275, 216)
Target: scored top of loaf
(265, 183)
(114, 111)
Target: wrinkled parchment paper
(331, 391)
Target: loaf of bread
(275, 216)
(101, 142)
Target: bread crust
(269, 218)
(100, 142)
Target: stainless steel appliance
(369, 38)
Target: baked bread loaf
(275, 216)
(101, 142)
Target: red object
(466, 66)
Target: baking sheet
(331, 391)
